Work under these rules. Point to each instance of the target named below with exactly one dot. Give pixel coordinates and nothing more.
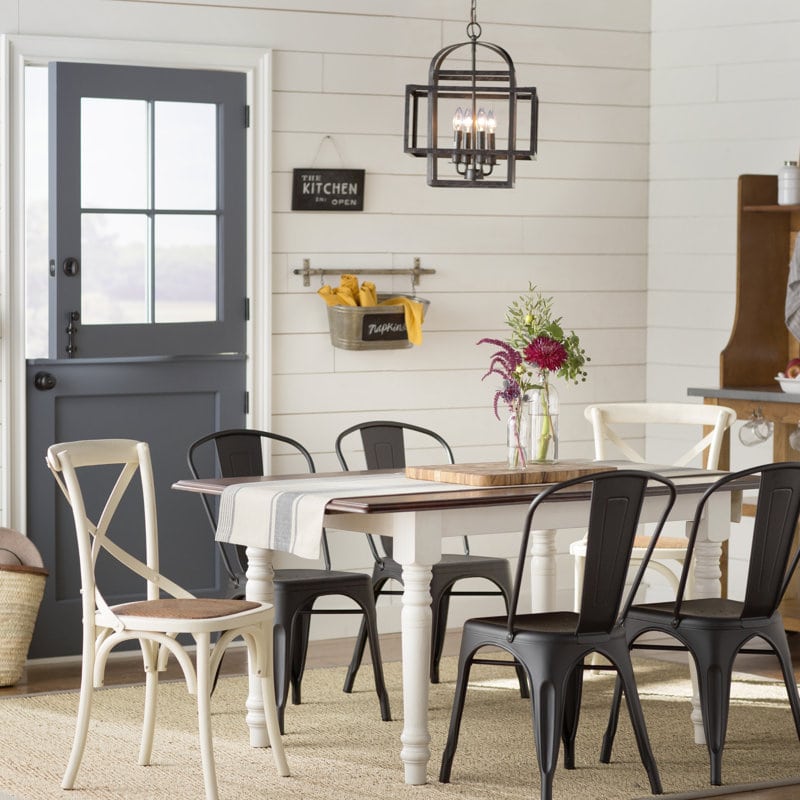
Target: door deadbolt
(71, 267)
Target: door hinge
(247, 116)
(247, 402)
(247, 309)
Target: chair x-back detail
(551, 646)
(239, 453)
(606, 419)
(168, 610)
(384, 447)
(714, 630)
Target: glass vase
(544, 425)
(518, 434)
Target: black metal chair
(383, 444)
(714, 630)
(551, 646)
(239, 454)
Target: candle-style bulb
(491, 122)
(467, 123)
(458, 119)
(481, 120)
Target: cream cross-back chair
(168, 611)
(605, 419)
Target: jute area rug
(338, 748)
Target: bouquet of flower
(536, 348)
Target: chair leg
(281, 670)
(371, 622)
(714, 684)
(548, 712)
(439, 612)
(572, 710)
(298, 643)
(82, 722)
(355, 661)
(464, 665)
(777, 639)
(273, 727)
(611, 726)
(203, 641)
(361, 641)
(149, 723)
(626, 677)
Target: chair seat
(664, 543)
(469, 565)
(185, 608)
(320, 577)
(716, 610)
(553, 622)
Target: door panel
(147, 209)
(102, 399)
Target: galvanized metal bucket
(371, 327)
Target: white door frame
(15, 53)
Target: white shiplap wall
(576, 224)
(725, 101)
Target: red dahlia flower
(545, 353)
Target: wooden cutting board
(498, 474)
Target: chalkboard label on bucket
(327, 189)
(383, 327)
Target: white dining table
(418, 522)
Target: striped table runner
(280, 516)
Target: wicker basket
(21, 590)
(371, 327)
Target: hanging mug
(756, 430)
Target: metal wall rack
(414, 272)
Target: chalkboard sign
(384, 327)
(327, 189)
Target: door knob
(44, 381)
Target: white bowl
(790, 385)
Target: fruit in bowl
(793, 369)
(790, 380)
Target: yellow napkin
(367, 295)
(350, 294)
(341, 296)
(413, 315)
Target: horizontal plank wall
(725, 101)
(576, 224)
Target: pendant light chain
(474, 30)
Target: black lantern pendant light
(473, 116)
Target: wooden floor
(49, 675)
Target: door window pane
(185, 268)
(114, 149)
(185, 155)
(114, 283)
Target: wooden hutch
(760, 344)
